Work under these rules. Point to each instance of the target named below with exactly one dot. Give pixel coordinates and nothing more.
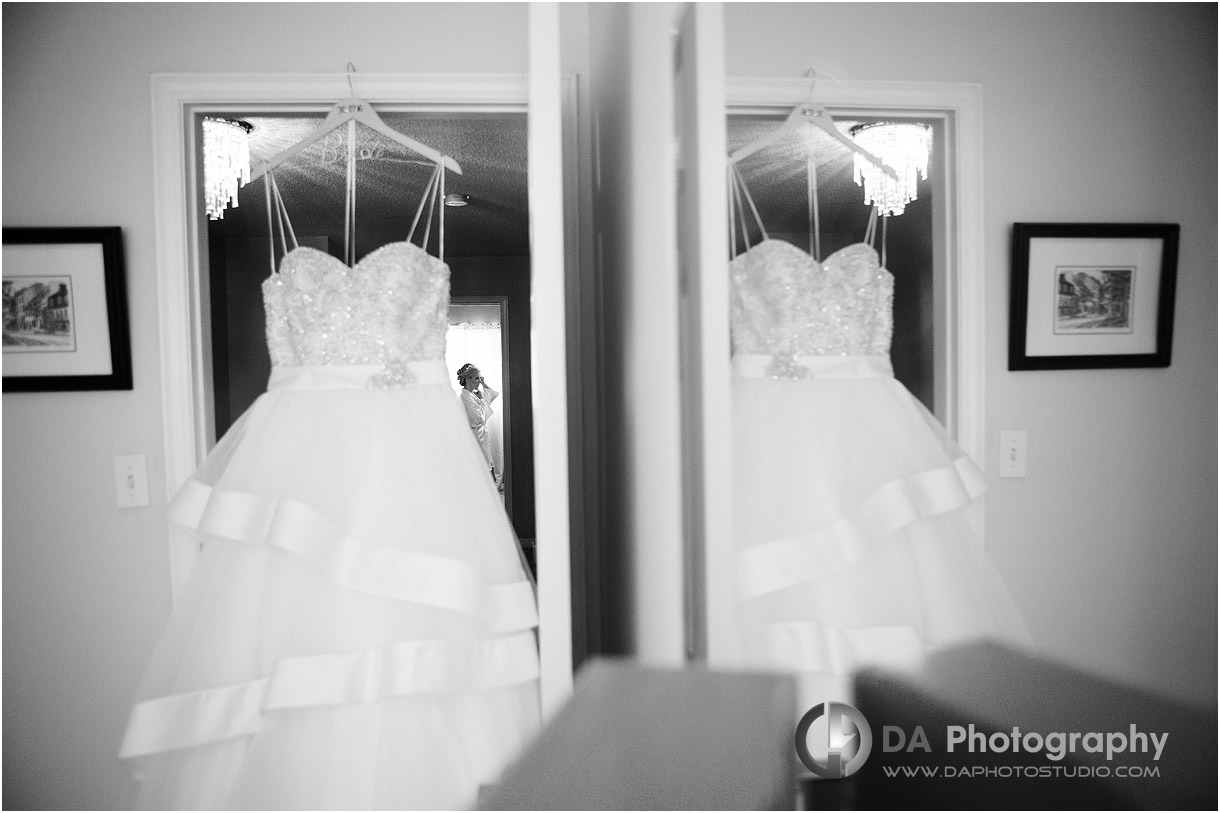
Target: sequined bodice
(784, 303)
(391, 309)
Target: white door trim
(176, 98)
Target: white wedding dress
(359, 632)
(853, 546)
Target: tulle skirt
(854, 546)
(359, 631)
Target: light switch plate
(1012, 452)
(131, 480)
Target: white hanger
(809, 113)
(816, 115)
(363, 112)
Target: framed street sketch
(1092, 295)
(65, 310)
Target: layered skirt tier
(359, 631)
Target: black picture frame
(1092, 295)
(65, 310)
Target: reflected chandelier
(226, 163)
(902, 146)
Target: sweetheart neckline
(808, 256)
(344, 267)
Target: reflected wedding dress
(359, 631)
(852, 542)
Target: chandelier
(226, 162)
(902, 146)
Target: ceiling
(390, 181)
(492, 151)
(776, 177)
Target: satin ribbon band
(757, 365)
(408, 667)
(819, 552)
(355, 376)
(405, 575)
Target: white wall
(1092, 112)
(86, 584)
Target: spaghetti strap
(740, 188)
(871, 232)
(440, 173)
(285, 221)
(440, 233)
(349, 210)
(277, 213)
(419, 210)
(815, 226)
(433, 190)
(270, 222)
(885, 222)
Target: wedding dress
(359, 631)
(853, 545)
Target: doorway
(476, 336)
(183, 285)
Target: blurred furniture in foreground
(997, 689)
(634, 738)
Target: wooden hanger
(815, 115)
(363, 112)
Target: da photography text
(1055, 745)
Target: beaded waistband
(756, 365)
(356, 376)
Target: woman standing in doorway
(477, 397)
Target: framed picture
(65, 310)
(1092, 295)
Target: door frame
(182, 285)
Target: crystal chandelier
(226, 162)
(902, 146)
